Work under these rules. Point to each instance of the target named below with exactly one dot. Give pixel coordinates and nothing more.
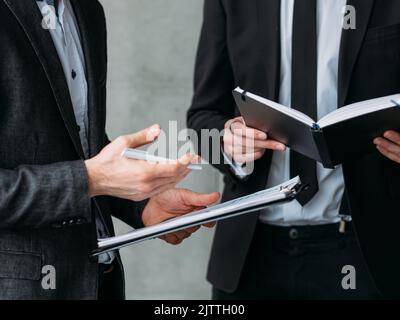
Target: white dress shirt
(324, 207)
(67, 42)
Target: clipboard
(285, 192)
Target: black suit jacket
(240, 46)
(46, 214)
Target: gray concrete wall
(152, 47)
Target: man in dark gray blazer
(59, 184)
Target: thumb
(200, 199)
(143, 137)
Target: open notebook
(245, 205)
(344, 134)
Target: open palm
(174, 203)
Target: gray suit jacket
(46, 214)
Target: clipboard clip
(244, 95)
(296, 188)
(300, 188)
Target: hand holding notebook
(244, 144)
(342, 135)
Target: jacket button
(294, 234)
(81, 220)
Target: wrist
(95, 178)
(148, 218)
(141, 206)
(145, 215)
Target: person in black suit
(303, 54)
(61, 180)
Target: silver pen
(143, 155)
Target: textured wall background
(152, 47)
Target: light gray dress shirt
(67, 41)
(324, 207)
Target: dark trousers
(302, 263)
(110, 283)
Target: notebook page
(358, 109)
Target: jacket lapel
(29, 17)
(351, 43)
(269, 13)
(90, 32)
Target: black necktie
(304, 87)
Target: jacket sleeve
(213, 104)
(42, 196)
(129, 212)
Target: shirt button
(294, 234)
(73, 74)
